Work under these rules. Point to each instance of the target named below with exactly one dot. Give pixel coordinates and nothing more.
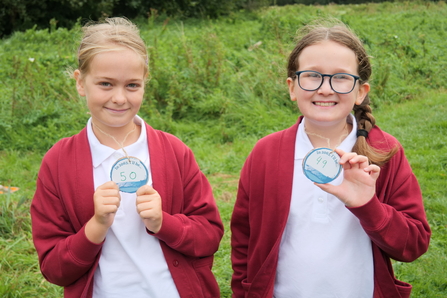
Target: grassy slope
(418, 123)
(421, 126)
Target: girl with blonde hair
(122, 209)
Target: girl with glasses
(122, 209)
(324, 205)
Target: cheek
(137, 99)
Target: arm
(190, 221)
(65, 255)
(395, 218)
(240, 234)
(391, 211)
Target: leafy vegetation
(219, 85)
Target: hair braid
(337, 31)
(366, 121)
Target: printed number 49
(324, 161)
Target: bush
(221, 80)
(20, 15)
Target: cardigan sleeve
(193, 225)
(240, 235)
(395, 218)
(65, 255)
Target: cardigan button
(175, 263)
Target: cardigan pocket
(208, 283)
(403, 288)
(246, 285)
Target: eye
(105, 84)
(133, 85)
(342, 76)
(311, 75)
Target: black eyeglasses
(342, 83)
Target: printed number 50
(132, 176)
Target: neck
(328, 136)
(117, 137)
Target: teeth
(325, 104)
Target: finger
(353, 159)
(109, 209)
(340, 152)
(359, 162)
(155, 198)
(108, 193)
(146, 190)
(373, 170)
(347, 157)
(110, 201)
(145, 207)
(108, 185)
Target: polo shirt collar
(101, 152)
(303, 145)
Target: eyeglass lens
(340, 83)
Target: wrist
(151, 226)
(95, 232)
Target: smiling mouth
(116, 111)
(324, 104)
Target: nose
(325, 88)
(119, 97)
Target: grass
(420, 125)
(219, 86)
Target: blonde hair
(335, 30)
(111, 35)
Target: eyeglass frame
(356, 78)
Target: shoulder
(66, 146)
(382, 140)
(277, 140)
(164, 138)
(167, 145)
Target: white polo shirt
(132, 263)
(324, 252)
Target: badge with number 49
(322, 165)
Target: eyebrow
(112, 79)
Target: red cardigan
(63, 203)
(394, 219)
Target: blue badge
(129, 173)
(322, 165)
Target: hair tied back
(362, 133)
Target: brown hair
(110, 35)
(336, 31)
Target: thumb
(329, 188)
(146, 190)
(335, 191)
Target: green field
(219, 85)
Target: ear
(291, 84)
(363, 91)
(79, 82)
